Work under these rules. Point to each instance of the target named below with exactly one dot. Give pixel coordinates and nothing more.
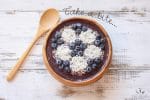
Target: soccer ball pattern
(77, 49)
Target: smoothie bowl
(77, 51)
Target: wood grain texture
(127, 79)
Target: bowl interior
(73, 79)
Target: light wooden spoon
(48, 20)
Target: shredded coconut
(68, 35)
(87, 36)
(92, 52)
(63, 52)
(78, 64)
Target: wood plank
(38, 84)
(127, 78)
(115, 5)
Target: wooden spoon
(48, 20)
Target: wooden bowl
(92, 79)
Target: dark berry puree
(65, 73)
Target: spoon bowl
(49, 16)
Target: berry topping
(84, 28)
(58, 35)
(78, 31)
(54, 40)
(97, 42)
(54, 45)
(59, 61)
(60, 41)
(78, 42)
(102, 46)
(73, 53)
(94, 66)
(88, 69)
(83, 46)
(98, 37)
(103, 40)
(74, 26)
(79, 25)
(72, 46)
(61, 67)
(80, 53)
(66, 63)
(77, 48)
(90, 61)
(67, 69)
(97, 60)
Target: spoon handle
(14, 70)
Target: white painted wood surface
(127, 79)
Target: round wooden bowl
(92, 79)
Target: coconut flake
(68, 35)
(78, 64)
(63, 52)
(92, 52)
(87, 36)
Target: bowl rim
(86, 81)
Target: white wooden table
(127, 79)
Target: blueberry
(60, 41)
(102, 40)
(97, 42)
(102, 46)
(59, 61)
(61, 67)
(98, 37)
(97, 60)
(79, 25)
(83, 46)
(90, 61)
(78, 31)
(77, 48)
(80, 53)
(54, 40)
(72, 46)
(78, 42)
(66, 63)
(88, 69)
(73, 53)
(84, 28)
(67, 69)
(58, 35)
(54, 45)
(94, 66)
(74, 26)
